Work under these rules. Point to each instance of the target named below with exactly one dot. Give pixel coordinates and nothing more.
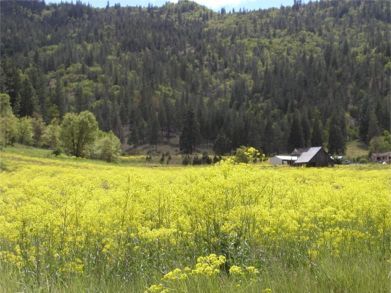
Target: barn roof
(307, 156)
(286, 157)
(299, 151)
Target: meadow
(70, 226)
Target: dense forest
(310, 74)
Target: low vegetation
(92, 226)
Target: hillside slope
(275, 79)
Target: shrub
(206, 159)
(108, 147)
(186, 160)
(197, 160)
(247, 154)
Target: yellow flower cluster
(206, 266)
(209, 265)
(73, 217)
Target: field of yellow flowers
(69, 226)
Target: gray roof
(307, 156)
(286, 157)
(299, 151)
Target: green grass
(330, 274)
(132, 160)
(356, 149)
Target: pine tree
(316, 137)
(337, 139)
(222, 144)
(28, 103)
(59, 97)
(306, 130)
(153, 130)
(373, 126)
(190, 133)
(268, 142)
(296, 137)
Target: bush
(57, 152)
(186, 160)
(216, 159)
(162, 158)
(247, 154)
(206, 159)
(168, 159)
(107, 147)
(197, 160)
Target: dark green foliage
(153, 130)
(380, 144)
(373, 126)
(190, 133)
(244, 74)
(316, 136)
(206, 159)
(186, 160)
(296, 136)
(222, 145)
(196, 160)
(78, 133)
(337, 134)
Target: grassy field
(356, 149)
(71, 225)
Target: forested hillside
(275, 79)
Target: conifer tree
(316, 137)
(296, 137)
(337, 139)
(190, 133)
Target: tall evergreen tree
(317, 137)
(28, 103)
(222, 145)
(153, 130)
(373, 126)
(306, 129)
(337, 139)
(296, 137)
(190, 133)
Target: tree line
(77, 134)
(276, 79)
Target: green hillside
(276, 79)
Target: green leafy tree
(78, 132)
(38, 126)
(25, 131)
(51, 135)
(8, 122)
(245, 154)
(380, 144)
(108, 147)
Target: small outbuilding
(282, 160)
(381, 157)
(314, 157)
